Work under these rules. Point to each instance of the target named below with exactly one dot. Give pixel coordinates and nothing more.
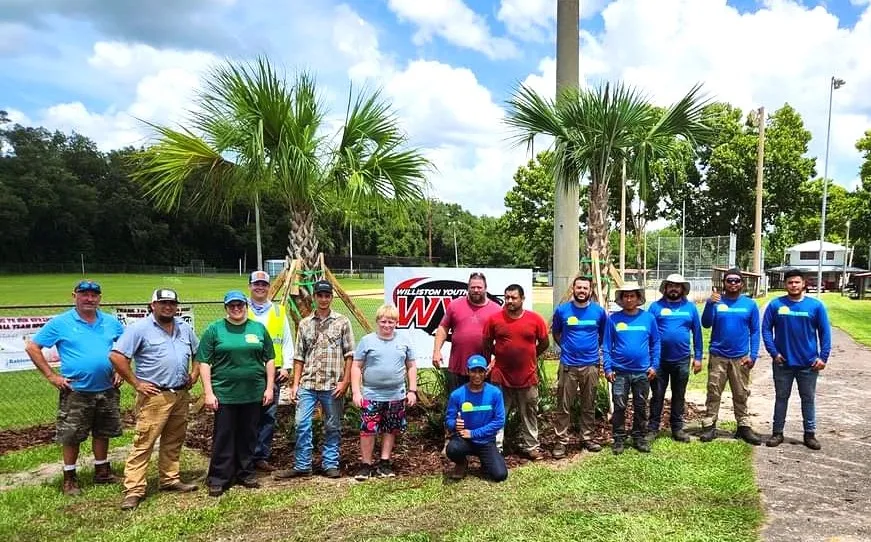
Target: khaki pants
(576, 383)
(165, 416)
(525, 401)
(720, 370)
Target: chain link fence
(694, 258)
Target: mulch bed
(18, 439)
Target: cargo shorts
(81, 413)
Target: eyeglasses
(733, 281)
(88, 285)
(236, 305)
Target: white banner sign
(422, 294)
(127, 315)
(15, 332)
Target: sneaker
(385, 469)
(592, 446)
(642, 445)
(365, 472)
(775, 440)
(533, 454)
(290, 473)
(559, 451)
(263, 466)
(130, 502)
(216, 491)
(708, 433)
(332, 472)
(617, 447)
(249, 482)
(748, 435)
(810, 440)
(680, 436)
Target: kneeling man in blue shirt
(475, 414)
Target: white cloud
(535, 20)
(454, 21)
(355, 38)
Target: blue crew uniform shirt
(581, 330)
(483, 412)
(632, 343)
(797, 330)
(83, 348)
(160, 358)
(735, 327)
(677, 322)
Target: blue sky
(97, 66)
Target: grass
(680, 492)
(33, 457)
(851, 315)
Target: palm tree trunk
(257, 232)
(597, 225)
(302, 241)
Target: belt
(173, 389)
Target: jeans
(266, 428)
(331, 408)
(638, 384)
(678, 372)
(492, 462)
(806, 378)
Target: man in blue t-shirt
(578, 327)
(631, 360)
(90, 403)
(734, 322)
(474, 415)
(797, 334)
(678, 321)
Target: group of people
(244, 358)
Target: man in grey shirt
(163, 346)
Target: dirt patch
(18, 439)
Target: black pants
(638, 385)
(492, 462)
(233, 441)
(678, 372)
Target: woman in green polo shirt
(238, 371)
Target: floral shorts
(382, 417)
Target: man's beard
(477, 298)
(674, 296)
(164, 319)
(581, 300)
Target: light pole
(456, 252)
(834, 84)
(351, 245)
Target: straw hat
(676, 278)
(629, 287)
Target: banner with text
(15, 331)
(128, 315)
(422, 294)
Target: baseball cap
(88, 286)
(735, 271)
(235, 295)
(258, 276)
(164, 294)
(323, 286)
(476, 362)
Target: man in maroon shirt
(515, 338)
(465, 318)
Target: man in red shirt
(513, 340)
(465, 319)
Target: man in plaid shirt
(321, 374)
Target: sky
(102, 67)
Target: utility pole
(623, 225)
(760, 162)
(566, 246)
(846, 252)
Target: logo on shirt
(722, 307)
(252, 339)
(469, 407)
(783, 310)
(666, 312)
(622, 326)
(423, 301)
(572, 321)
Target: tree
(861, 216)
(253, 137)
(595, 129)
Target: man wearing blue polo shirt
(734, 322)
(90, 403)
(678, 321)
(163, 347)
(578, 326)
(797, 334)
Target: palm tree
(252, 136)
(595, 129)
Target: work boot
(263, 466)
(652, 434)
(617, 447)
(559, 451)
(130, 502)
(748, 435)
(775, 440)
(71, 484)
(459, 471)
(592, 446)
(810, 440)
(103, 474)
(180, 487)
(641, 444)
(290, 473)
(533, 455)
(680, 435)
(708, 433)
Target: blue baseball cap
(476, 362)
(234, 295)
(86, 285)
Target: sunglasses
(88, 285)
(236, 305)
(733, 281)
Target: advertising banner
(127, 315)
(422, 294)
(15, 331)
